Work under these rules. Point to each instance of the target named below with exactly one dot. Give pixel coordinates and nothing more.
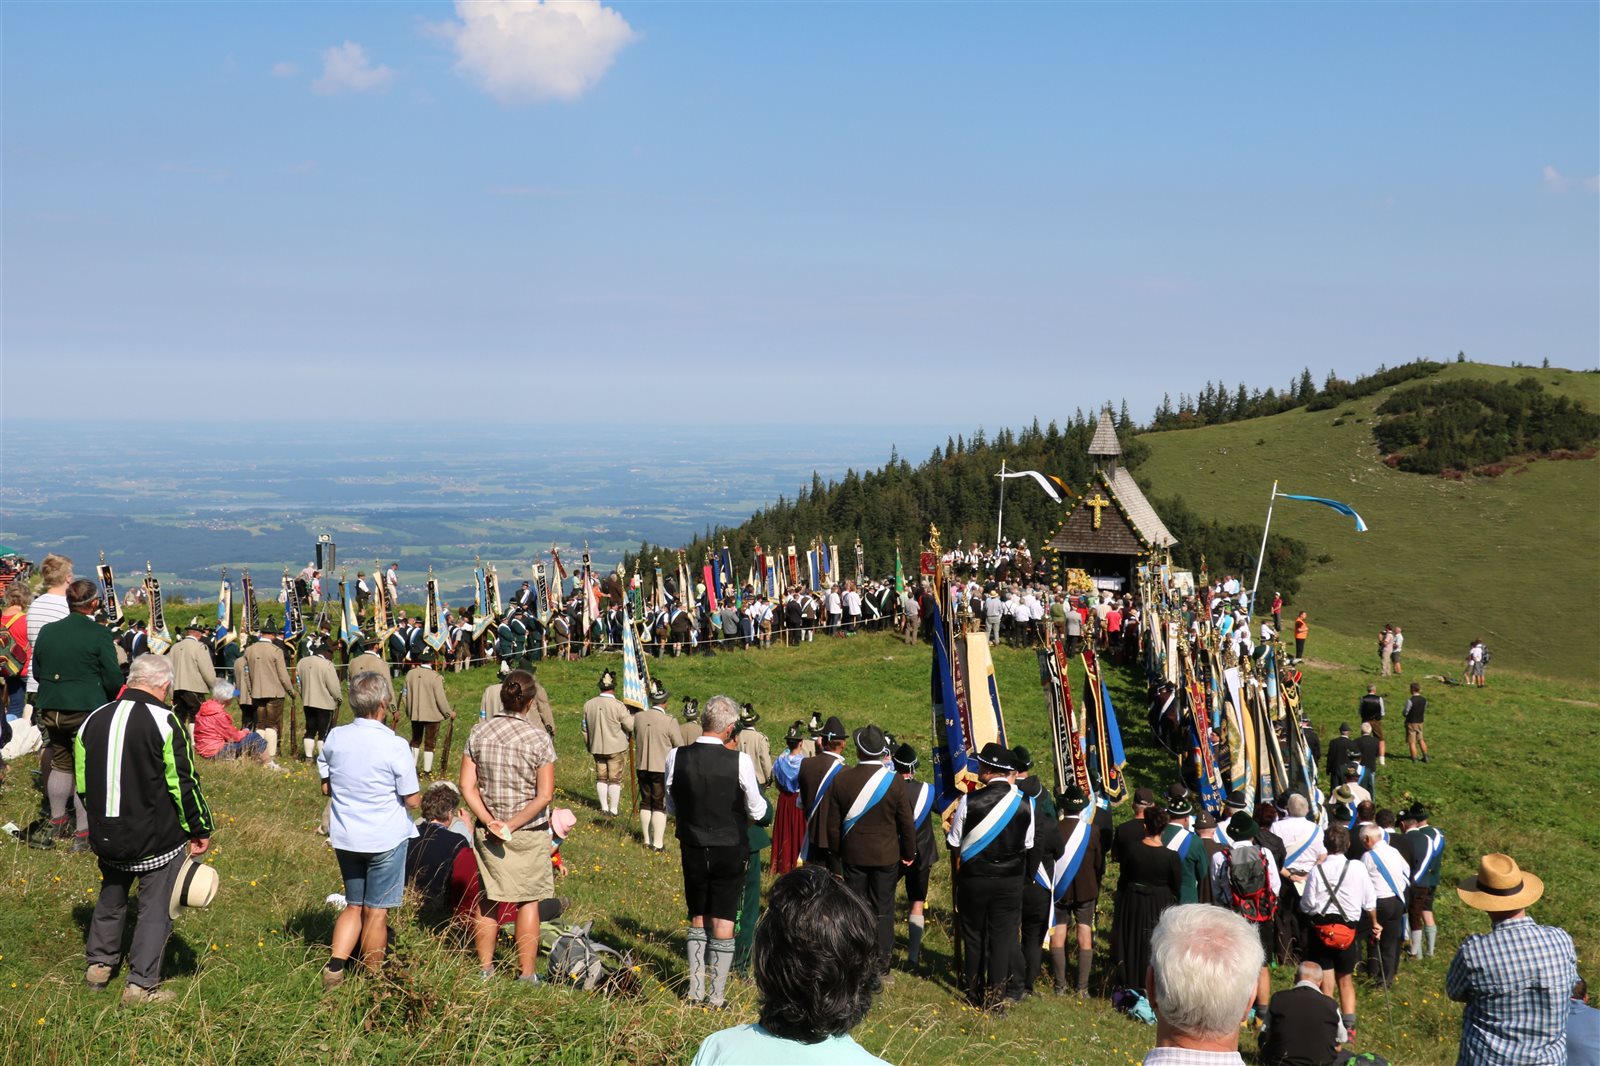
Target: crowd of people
(1202, 904)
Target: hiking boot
(97, 976)
(332, 979)
(135, 995)
(80, 843)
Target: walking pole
(1250, 608)
(999, 522)
(633, 778)
(449, 737)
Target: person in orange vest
(1302, 629)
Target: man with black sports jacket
(137, 778)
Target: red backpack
(1249, 886)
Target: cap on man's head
(1243, 827)
(1021, 759)
(1417, 813)
(1344, 727)
(1072, 800)
(1144, 797)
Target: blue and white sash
(1388, 877)
(816, 805)
(1180, 842)
(1071, 859)
(871, 793)
(1222, 836)
(1431, 856)
(979, 836)
(924, 804)
(1301, 850)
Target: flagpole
(1000, 521)
(1250, 608)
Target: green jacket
(75, 662)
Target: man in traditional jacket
(866, 822)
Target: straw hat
(195, 886)
(1501, 885)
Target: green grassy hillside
(1512, 770)
(1514, 560)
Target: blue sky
(799, 212)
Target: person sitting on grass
(442, 866)
(216, 737)
(816, 972)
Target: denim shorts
(374, 878)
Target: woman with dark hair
(1151, 878)
(816, 972)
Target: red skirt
(788, 830)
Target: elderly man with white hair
(1391, 884)
(1202, 981)
(1303, 1024)
(1302, 850)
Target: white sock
(658, 826)
(427, 762)
(603, 793)
(271, 737)
(616, 797)
(416, 756)
(319, 747)
(309, 744)
(644, 827)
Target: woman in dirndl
(789, 824)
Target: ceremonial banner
(1070, 763)
(224, 632)
(349, 617)
(861, 564)
(899, 574)
(540, 585)
(635, 672)
(710, 581)
(250, 620)
(108, 585)
(794, 567)
(433, 634)
(813, 569)
(293, 625)
(835, 574)
(986, 722)
(558, 578)
(1106, 757)
(954, 766)
(159, 635)
(727, 580)
(658, 594)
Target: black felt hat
(871, 743)
(691, 709)
(994, 756)
(1236, 801)
(1242, 827)
(608, 681)
(1072, 801)
(815, 727)
(748, 716)
(1021, 759)
(905, 758)
(1179, 808)
(833, 729)
(796, 733)
(658, 691)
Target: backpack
(1486, 656)
(1251, 890)
(577, 959)
(13, 660)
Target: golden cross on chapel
(1099, 503)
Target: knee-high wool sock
(914, 939)
(658, 827)
(427, 762)
(601, 792)
(615, 792)
(1058, 966)
(644, 827)
(697, 964)
(309, 746)
(1416, 944)
(1085, 964)
(1432, 933)
(721, 959)
(58, 788)
(416, 756)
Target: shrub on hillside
(1476, 425)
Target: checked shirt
(1516, 981)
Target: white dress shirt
(755, 804)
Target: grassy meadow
(1512, 770)
(1514, 560)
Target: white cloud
(530, 51)
(347, 69)
(284, 70)
(1556, 181)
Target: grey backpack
(578, 960)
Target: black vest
(1303, 1029)
(707, 798)
(1003, 855)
